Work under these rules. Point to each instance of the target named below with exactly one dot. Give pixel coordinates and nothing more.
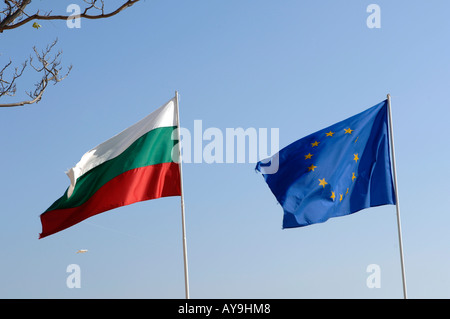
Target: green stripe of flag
(152, 148)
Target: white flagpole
(397, 205)
(183, 224)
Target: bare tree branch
(9, 88)
(16, 9)
(49, 66)
(14, 15)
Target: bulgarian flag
(138, 164)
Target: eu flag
(336, 171)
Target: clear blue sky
(294, 65)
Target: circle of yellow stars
(312, 167)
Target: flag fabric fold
(336, 171)
(134, 165)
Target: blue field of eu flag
(334, 172)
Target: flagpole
(183, 223)
(397, 205)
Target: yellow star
(356, 139)
(348, 130)
(330, 133)
(340, 197)
(308, 156)
(322, 182)
(353, 176)
(315, 144)
(311, 168)
(346, 192)
(333, 196)
(356, 158)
